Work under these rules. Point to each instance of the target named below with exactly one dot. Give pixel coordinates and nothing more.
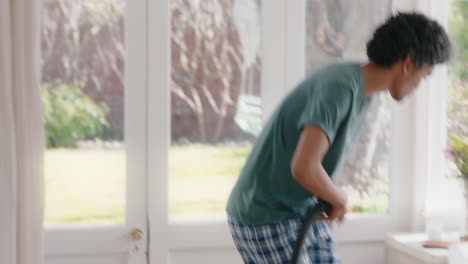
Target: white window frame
(158, 101)
(436, 139)
(427, 135)
(428, 130)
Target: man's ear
(407, 65)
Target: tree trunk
(201, 125)
(220, 123)
(223, 110)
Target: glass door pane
(457, 106)
(336, 31)
(216, 103)
(83, 97)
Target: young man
(304, 142)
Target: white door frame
(70, 242)
(158, 100)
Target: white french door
(99, 214)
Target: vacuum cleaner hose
(313, 213)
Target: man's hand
(337, 212)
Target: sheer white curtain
(21, 134)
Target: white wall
(115, 259)
(360, 253)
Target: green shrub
(70, 115)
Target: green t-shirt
(332, 99)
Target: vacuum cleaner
(321, 208)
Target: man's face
(408, 79)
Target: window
(332, 35)
(446, 113)
(456, 89)
(216, 103)
(457, 96)
(83, 97)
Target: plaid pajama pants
(274, 243)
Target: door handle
(136, 234)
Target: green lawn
(87, 187)
(201, 178)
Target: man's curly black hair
(409, 34)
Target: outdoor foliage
(458, 70)
(70, 115)
(82, 45)
(458, 31)
(82, 41)
(459, 153)
(213, 57)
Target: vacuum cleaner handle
(313, 213)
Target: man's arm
(307, 169)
